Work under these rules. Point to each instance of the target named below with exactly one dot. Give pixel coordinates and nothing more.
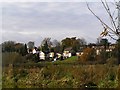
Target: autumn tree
(88, 55)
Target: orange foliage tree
(88, 55)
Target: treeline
(11, 46)
(12, 50)
(46, 45)
(18, 53)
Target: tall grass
(62, 76)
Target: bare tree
(112, 30)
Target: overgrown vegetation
(56, 75)
(61, 74)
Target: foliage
(21, 48)
(11, 46)
(88, 55)
(63, 76)
(112, 61)
(48, 40)
(45, 48)
(57, 47)
(8, 46)
(73, 42)
(12, 58)
(104, 42)
(118, 50)
(30, 45)
(102, 57)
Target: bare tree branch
(106, 6)
(111, 37)
(111, 31)
(100, 19)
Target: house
(98, 51)
(41, 55)
(34, 51)
(58, 55)
(67, 52)
(51, 54)
(77, 53)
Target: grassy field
(61, 74)
(68, 61)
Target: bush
(88, 56)
(112, 61)
(12, 58)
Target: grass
(71, 60)
(61, 74)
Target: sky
(34, 21)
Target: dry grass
(66, 76)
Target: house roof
(68, 49)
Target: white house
(98, 51)
(59, 55)
(34, 51)
(42, 55)
(69, 55)
(67, 52)
(51, 54)
(78, 53)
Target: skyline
(34, 21)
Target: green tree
(21, 48)
(104, 42)
(8, 46)
(46, 50)
(24, 50)
(56, 46)
(30, 45)
(66, 42)
(48, 40)
(74, 43)
(18, 47)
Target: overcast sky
(33, 21)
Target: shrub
(112, 61)
(12, 58)
(64, 76)
(87, 56)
